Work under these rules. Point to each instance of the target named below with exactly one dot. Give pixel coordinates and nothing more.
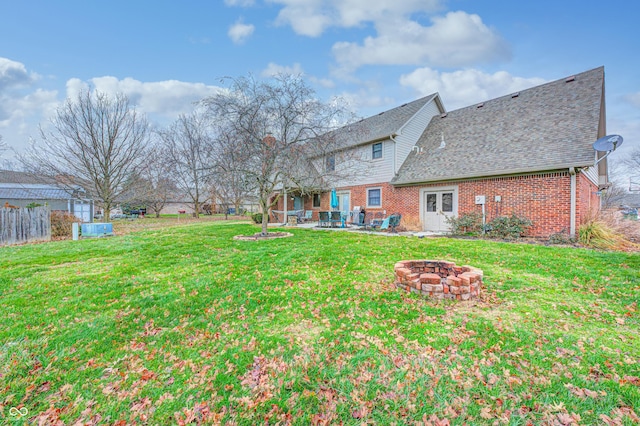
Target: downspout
(572, 172)
(395, 153)
(286, 213)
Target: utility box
(97, 230)
(480, 199)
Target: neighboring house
(528, 153)
(21, 189)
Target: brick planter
(438, 279)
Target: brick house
(528, 153)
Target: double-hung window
(376, 151)
(374, 197)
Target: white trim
(367, 195)
(381, 143)
(343, 192)
(425, 190)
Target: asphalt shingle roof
(548, 127)
(378, 126)
(30, 193)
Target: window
(376, 150)
(431, 203)
(330, 163)
(447, 202)
(316, 200)
(374, 197)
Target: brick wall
(587, 199)
(544, 198)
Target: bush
(257, 218)
(61, 223)
(607, 230)
(508, 227)
(561, 238)
(465, 224)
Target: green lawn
(185, 325)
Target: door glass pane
(431, 202)
(447, 202)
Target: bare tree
(271, 131)
(188, 149)
(157, 185)
(96, 141)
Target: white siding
(358, 168)
(412, 131)
(592, 174)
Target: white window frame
(379, 188)
(381, 151)
(330, 160)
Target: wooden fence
(24, 225)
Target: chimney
(269, 140)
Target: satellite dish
(607, 143)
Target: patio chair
(377, 220)
(308, 216)
(335, 219)
(364, 220)
(323, 219)
(392, 222)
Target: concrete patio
(353, 228)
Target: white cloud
(312, 17)
(241, 3)
(274, 69)
(466, 87)
(14, 74)
(240, 32)
(633, 99)
(21, 105)
(456, 39)
(167, 98)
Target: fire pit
(438, 279)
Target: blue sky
(374, 54)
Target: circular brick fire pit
(438, 279)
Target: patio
(350, 228)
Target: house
(527, 153)
(379, 145)
(22, 189)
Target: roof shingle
(547, 127)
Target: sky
(374, 55)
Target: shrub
(561, 238)
(32, 205)
(465, 224)
(257, 218)
(606, 230)
(509, 227)
(61, 223)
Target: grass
(184, 325)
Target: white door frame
(423, 195)
(340, 194)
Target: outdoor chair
(364, 220)
(393, 222)
(308, 216)
(335, 219)
(377, 220)
(323, 219)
